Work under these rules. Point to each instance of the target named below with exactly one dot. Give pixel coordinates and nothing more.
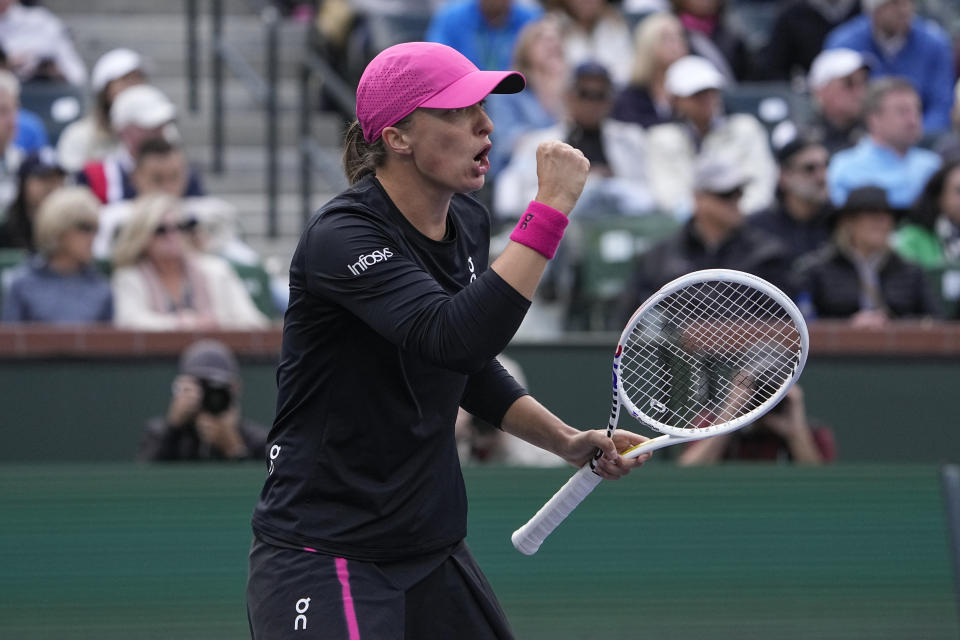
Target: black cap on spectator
(210, 360)
(42, 162)
(866, 198)
(591, 69)
(785, 152)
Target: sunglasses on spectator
(184, 226)
(86, 227)
(593, 96)
(733, 194)
(810, 168)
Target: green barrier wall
(93, 409)
(118, 551)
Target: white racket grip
(528, 538)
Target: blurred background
(192, 140)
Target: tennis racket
(707, 354)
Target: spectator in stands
(658, 43)
(162, 168)
(695, 85)
(485, 31)
(888, 156)
(539, 57)
(900, 43)
(479, 442)
(159, 284)
(10, 154)
(948, 145)
(838, 82)
(798, 34)
(204, 420)
(60, 284)
(931, 236)
(785, 434)
(92, 138)
(31, 132)
(138, 113)
(717, 236)
(857, 276)
(710, 35)
(800, 218)
(39, 175)
(596, 31)
(617, 181)
(38, 45)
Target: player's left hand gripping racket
(707, 354)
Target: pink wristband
(540, 228)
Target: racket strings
(707, 354)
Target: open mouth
(481, 157)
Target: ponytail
(360, 158)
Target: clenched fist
(561, 174)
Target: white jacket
(624, 146)
(672, 154)
(139, 300)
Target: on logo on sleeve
(367, 260)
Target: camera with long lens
(217, 397)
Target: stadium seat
(604, 253)
(257, 282)
(771, 102)
(57, 103)
(9, 259)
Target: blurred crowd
(103, 219)
(813, 142)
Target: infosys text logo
(367, 260)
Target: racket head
(709, 353)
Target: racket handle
(528, 538)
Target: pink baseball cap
(409, 75)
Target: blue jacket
(926, 59)
(461, 25)
(868, 163)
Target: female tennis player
(394, 322)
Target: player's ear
(397, 140)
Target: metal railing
(263, 88)
(318, 78)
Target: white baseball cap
(692, 74)
(832, 64)
(715, 173)
(114, 64)
(142, 105)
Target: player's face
(450, 146)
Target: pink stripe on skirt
(353, 629)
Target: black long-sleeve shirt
(382, 340)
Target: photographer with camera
(203, 420)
